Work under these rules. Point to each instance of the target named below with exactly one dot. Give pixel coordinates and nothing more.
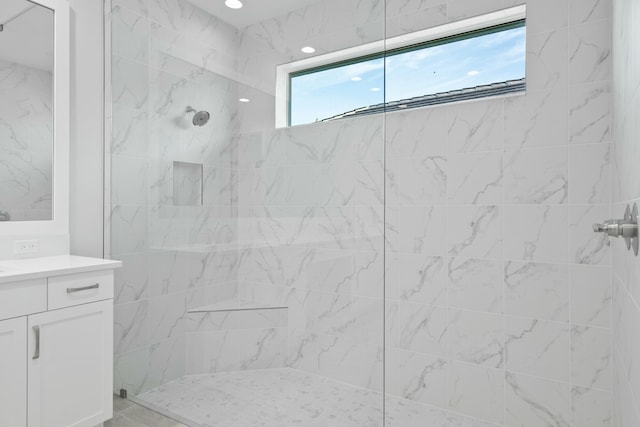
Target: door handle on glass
(84, 288)
(36, 354)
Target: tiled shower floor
(287, 397)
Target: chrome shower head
(200, 118)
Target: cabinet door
(13, 372)
(70, 371)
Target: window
(483, 61)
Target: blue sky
(481, 60)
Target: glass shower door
(253, 250)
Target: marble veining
(478, 242)
(533, 401)
(419, 328)
(536, 290)
(467, 391)
(590, 173)
(590, 10)
(476, 338)
(589, 248)
(538, 348)
(536, 120)
(418, 377)
(476, 178)
(546, 60)
(131, 281)
(591, 296)
(590, 51)
(591, 357)
(26, 129)
(130, 329)
(475, 232)
(475, 284)
(589, 113)
(537, 176)
(536, 233)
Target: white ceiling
(28, 39)
(253, 10)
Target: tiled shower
(438, 258)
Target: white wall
(87, 152)
(86, 141)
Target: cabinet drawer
(82, 288)
(22, 298)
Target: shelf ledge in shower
(199, 249)
(236, 305)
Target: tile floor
(285, 397)
(128, 414)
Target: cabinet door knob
(84, 288)
(36, 354)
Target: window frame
(514, 17)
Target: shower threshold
(287, 397)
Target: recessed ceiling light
(244, 99)
(356, 79)
(233, 4)
(308, 49)
(473, 73)
(375, 89)
(402, 106)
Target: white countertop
(12, 270)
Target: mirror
(26, 111)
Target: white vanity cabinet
(56, 350)
(70, 368)
(13, 371)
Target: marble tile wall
(498, 292)
(327, 25)
(498, 295)
(236, 340)
(626, 190)
(26, 130)
(168, 55)
(310, 201)
(310, 209)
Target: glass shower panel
(254, 255)
(310, 214)
(173, 221)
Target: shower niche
(187, 184)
